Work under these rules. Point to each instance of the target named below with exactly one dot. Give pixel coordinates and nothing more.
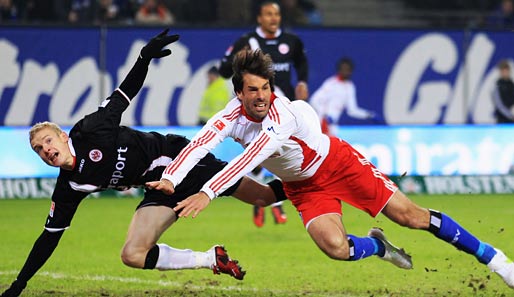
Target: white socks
(172, 258)
(503, 266)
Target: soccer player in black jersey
(286, 50)
(100, 154)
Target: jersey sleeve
(225, 68)
(212, 133)
(277, 127)
(353, 109)
(108, 115)
(300, 61)
(65, 202)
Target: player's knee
(337, 248)
(131, 257)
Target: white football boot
(392, 254)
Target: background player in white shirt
(336, 94)
(318, 173)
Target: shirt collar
(261, 33)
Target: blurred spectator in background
(336, 94)
(234, 12)
(311, 12)
(44, 11)
(215, 97)
(108, 11)
(503, 95)
(292, 14)
(8, 11)
(503, 16)
(81, 11)
(153, 12)
(200, 12)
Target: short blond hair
(43, 125)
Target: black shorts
(192, 183)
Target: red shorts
(345, 175)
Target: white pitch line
(169, 284)
(135, 280)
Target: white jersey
(288, 142)
(334, 96)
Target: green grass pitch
(280, 260)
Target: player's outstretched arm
(41, 251)
(154, 49)
(193, 204)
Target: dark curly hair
(253, 62)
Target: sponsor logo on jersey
(283, 48)
(120, 165)
(271, 129)
(278, 67)
(52, 208)
(95, 155)
(219, 125)
(81, 165)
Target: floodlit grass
(281, 260)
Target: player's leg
(256, 193)
(258, 210)
(142, 251)
(279, 216)
(321, 216)
(329, 234)
(403, 211)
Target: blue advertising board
(417, 150)
(407, 76)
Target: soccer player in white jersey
(318, 172)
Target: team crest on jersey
(95, 155)
(52, 208)
(219, 125)
(283, 48)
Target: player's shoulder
(290, 36)
(231, 111)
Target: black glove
(15, 289)
(154, 48)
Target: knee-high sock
(445, 228)
(172, 258)
(363, 247)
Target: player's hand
(301, 91)
(163, 185)
(154, 48)
(15, 289)
(192, 205)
